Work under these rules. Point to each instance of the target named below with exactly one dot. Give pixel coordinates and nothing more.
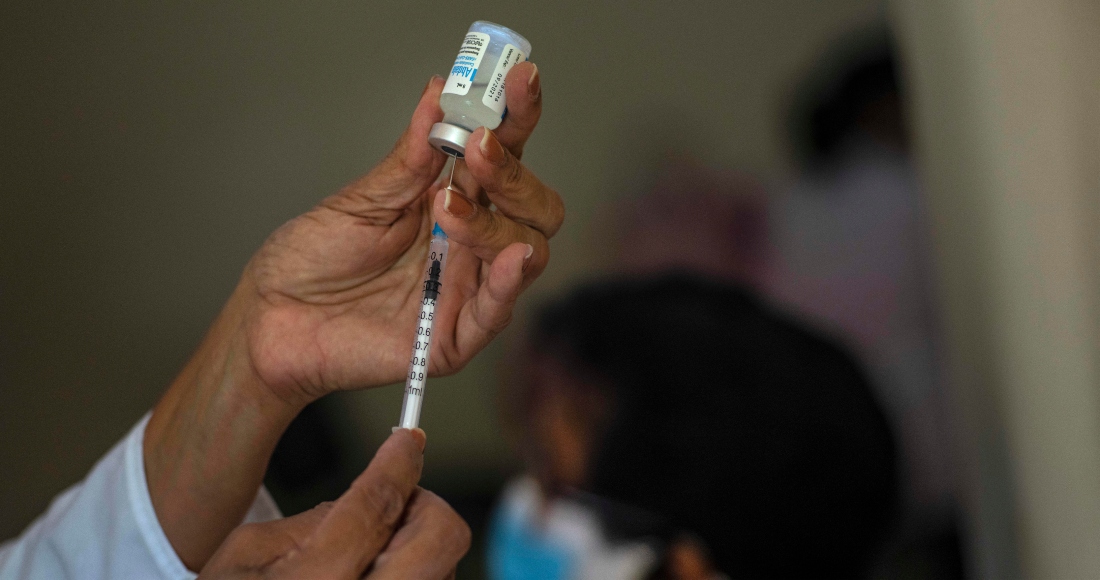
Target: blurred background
(916, 182)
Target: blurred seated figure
(841, 247)
(851, 255)
(676, 428)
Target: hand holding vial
(340, 287)
(330, 302)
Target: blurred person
(677, 428)
(327, 303)
(850, 253)
(844, 249)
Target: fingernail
(458, 206)
(491, 148)
(429, 85)
(534, 84)
(527, 258)
(420, 437)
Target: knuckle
(382, 501)
(459, 536)
(322, 509)
(555, 211)
(453, 531)
(497, 324)
(514, 173)
(495, 232)
(542, 255)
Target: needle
(452, 179)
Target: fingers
(528, 210)
(490, 310)
(429, 544)
(412, 165)
(363, 520)
(514, 189)
(288, 533)
(254, 546)
(523, 91)
(487, 233)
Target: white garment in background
(852, 257)
(105, 527)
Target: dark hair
(733, 423)
(847, 83)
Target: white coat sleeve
(105, 527)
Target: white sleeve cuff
(263, 508)
(105, 527)
(145, 517)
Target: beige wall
(1008, 119)
(147, 148)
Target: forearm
(209, 440)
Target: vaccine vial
(474, 94)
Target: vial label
(494, 93)
(466, 63)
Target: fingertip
(417, 435)
(473, 145)
(487, 159)
(428, 107)
(439, 211)
(523, 91)
(527, 257)
(490, 148)
(427, 113)
(421, 438)
(525, 77)
(432, 90)
(534, 84)
(450, 218)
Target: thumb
(255, 546)
(406, 172)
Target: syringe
(418, 366)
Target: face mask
(530, 539)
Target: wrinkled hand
(337, 289)
(383, 523)
(330, 302)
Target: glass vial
(474, 94)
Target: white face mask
(530, 539)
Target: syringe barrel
(417, 376)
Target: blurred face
(544, 528)
(565, 416)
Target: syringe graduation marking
(418, 366)
(431, 285)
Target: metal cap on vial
(448, 138)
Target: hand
(384, 524)
(330, 301)
(337, 289)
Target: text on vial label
(494, 94)
(467, 62)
